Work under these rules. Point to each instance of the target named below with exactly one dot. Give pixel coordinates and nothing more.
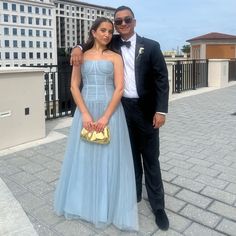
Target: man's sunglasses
(127, 20)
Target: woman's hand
(87, 121)
(101, 124)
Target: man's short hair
(122, 8)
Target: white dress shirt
(128, 54)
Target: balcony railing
(189, 75)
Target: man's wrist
(78, 46)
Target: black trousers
(145, 148)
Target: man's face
(124, 23)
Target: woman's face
(104, 33)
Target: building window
(6, 17)
(15, 55)
(22, 19)
(30, 44)
(37, 33)
(38, 55)
(13, 7)
(45, 44)
(50, 44)
(30, 9)
(45, 55)
(50, 34)
(6, 31)
(31, 55)
(38, 44)
(7, 55)
(37, 21)
(5, 6)
(14, 19)
(36, 10)
(22, 8)
(7, 43)
(44, 33)
(22, 31)
(50, 55)
(44, 21)
(30, 32)
(23, 44)
(15, 44)
(44, 11)
(49, 12)
(23, 55)
(14, 31)
(30, 20)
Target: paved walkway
(198, 162)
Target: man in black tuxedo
(145, 102)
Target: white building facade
(27, 33)
(74, 19)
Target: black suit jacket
(151, 74)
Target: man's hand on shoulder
(76, 57)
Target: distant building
(27, 33)
(213, 46)
(74, 19)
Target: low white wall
(218, 70)
(21, 89)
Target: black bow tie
(125, 43)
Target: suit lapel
(138, 51)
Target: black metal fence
(58, 98)
(189, 75)
(232, 70)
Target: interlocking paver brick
(171, 189)
(188, 183)
(197, 229)
(205, 170)
(231, 188)
(208, 180)
(177, 222)
(194, 198)
(227, 177)
(174, 204)
(227, 226)
(199, 162)
(170, 232)
(184, 173)
(223, 209)
(219, 195)
(200, 216)
(180, 163)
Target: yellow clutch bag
(96, 137)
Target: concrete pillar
(218, 70)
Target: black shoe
(161, 219)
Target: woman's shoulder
(113, 55)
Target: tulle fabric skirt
(97, 182)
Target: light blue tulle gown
(97, 182)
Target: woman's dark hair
(90, 42)
(122, 8)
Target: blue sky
(172, 22)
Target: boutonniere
(140, 52)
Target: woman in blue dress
(97, 182)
